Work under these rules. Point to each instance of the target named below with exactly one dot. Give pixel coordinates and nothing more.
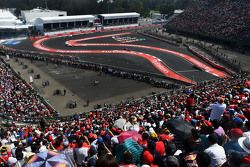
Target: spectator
(172, 161)
(19, 157)
(106, 160)
(190, 101)
(127, 160)
(223, 27)
(203, 159)
(91, 162)
(149, 114)
(215, 151)
(217, 109)
(68, 151)
(232, 145)
(81, 153)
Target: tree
(74, 7)
(167, 8)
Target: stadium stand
(222, 20)
(203, 125)
(19, 102)
(145, 128)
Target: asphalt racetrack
(103, 48)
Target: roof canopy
(5, 14)
(120, 15)
(14, 27)
(40, 10)
(63, 19)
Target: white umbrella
(121, 123)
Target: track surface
(149, 55)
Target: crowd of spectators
(225, 19)
(218, 112)
(18, 101)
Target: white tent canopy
(5, 14)
(29, 15)
(10, 21)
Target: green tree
(74, 7)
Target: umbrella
(129, 135)
(48, 159)
(120, 123)
(180, 128)
(129, 145)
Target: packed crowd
(225, 19)
(18, 101)
(210, 127)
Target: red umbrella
(129, 135)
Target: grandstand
(200, 117)
(215, 20)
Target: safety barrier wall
(212, 63)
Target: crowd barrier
(107, 29)
(207, 60)
(159, 38)
(212, 63)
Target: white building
(112, 19)
(30, 15)
(45, 24)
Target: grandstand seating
(19, 102)
(226, 19)
(147, 116)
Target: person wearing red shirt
(190, 103)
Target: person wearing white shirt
(217, 109)
(215, 152)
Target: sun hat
(244, 143)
